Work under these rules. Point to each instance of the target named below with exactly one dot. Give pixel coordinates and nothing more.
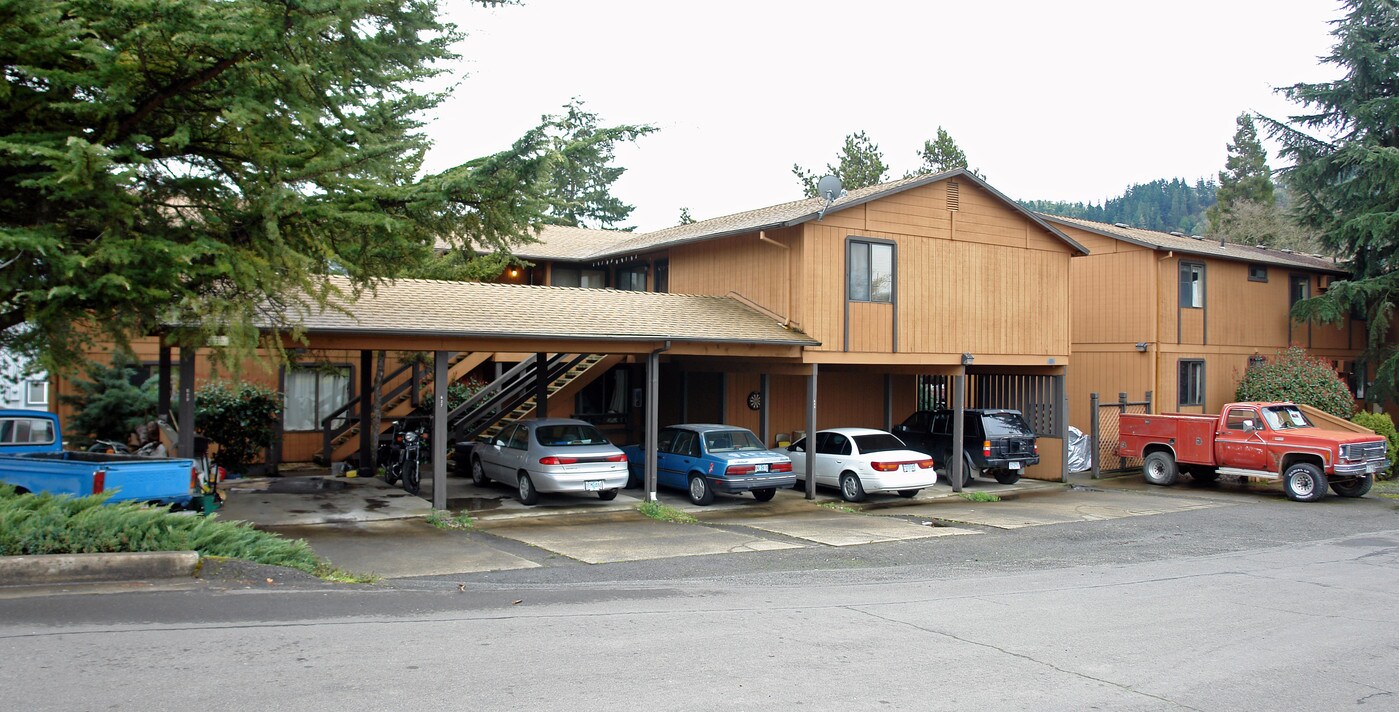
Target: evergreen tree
(1165, 205)
(1245, 176)
(581, 173)
(1344, 176)
(861, 165)
(107, 406)
(188, 160)
(685, 218)
(940, 155)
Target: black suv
(995, 442)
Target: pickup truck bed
(129, 478)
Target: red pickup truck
(1264, 440)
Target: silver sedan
(551, 455)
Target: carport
(447, 317)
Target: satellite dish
(828, 187)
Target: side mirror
(1250, 426)
(498, 442)
(794, 448)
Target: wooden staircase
(460, 364)
(561, 391)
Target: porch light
(1141, 346)
(967, 359)
(1256, 360)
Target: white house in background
(20, 389)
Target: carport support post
(162, 397)
(541, 385)
(367, 440)
(186, 415)
(811, 434)
(653, 382)
(959, 401)
(763, 422)
(1094, 449)
(1061, 424)
(439, 429)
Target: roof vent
(1196, 237)
(1287, 250)
(1120, 225)
(1177, 233)
(954, 196)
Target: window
(942, 423)
(1192, 285)
(1298, 288)
(665, 440)
(1238, 417)
(519, 438)
(1191, 383)
(578, 277)
(37, 393)
(314, 393)
(26, 431)
(1257, 273)
(632, 279)
(662, 281)
(871, 272)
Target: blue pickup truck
(32, 459)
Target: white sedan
(861, 460)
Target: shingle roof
(581, 244)
(1211, 248)
(800, 211)
(477, 309)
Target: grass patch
(34, 524)
(979, 496)
(837, 506)
(446, 520)
(665, 513)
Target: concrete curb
(88, 568)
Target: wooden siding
(736, 410)
(1106, 373)
(1112, 302)
(871, 326)
(983, 279)
(758, 271)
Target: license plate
(592, 485)
(760, 468)
(1014, 465)
(909, 467)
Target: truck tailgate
(128, 478)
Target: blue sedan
(704, 459)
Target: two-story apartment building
(1182, 316)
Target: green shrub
(107, 406)
(1382, 424)
(33, 524)
(240, 417)
(1294, 376)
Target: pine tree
(1245, 176)
(1344, 176)
(581, 170)
(685, 217)
(861, 165)
(187, 161)
(940, 155)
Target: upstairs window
(632, 279)
(1191, 383)
(871, 271)
(1257, 273)
(578, 277)
(1298, 288)
(36, 393)
(1192, 285)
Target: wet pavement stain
(474, 504)
(375, 504)
(306, 485)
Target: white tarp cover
(1080, 451)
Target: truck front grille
(1366, 451)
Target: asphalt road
(1264, 605)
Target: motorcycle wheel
(411, 483)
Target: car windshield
(731, 441)
(878, 442)
(568, 435)
(1006, 424)
(1284, 417)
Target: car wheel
(1007, 477)
(607, 495)
(700, 491)
(528, 494)
(765, 494)
(478, 473)
(851, 490)
(1159, 468)
(1304, 482)
(909, 494)
(1354, 486)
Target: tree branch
(129, 124)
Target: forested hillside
(1166, 205)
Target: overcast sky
(1060, 100)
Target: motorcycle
(403, 454)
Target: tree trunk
(376, 411)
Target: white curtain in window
(300, 412)
(335, 393)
